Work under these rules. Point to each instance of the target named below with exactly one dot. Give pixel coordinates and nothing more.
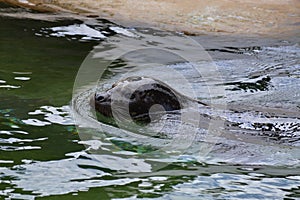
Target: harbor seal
(140, 96)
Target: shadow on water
(41, 154)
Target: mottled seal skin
(139, 94)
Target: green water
(45, 159)
(51, 64)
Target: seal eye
(132, 96)
(99, 98)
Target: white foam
(35, 122)
(55, 115)
(10, 86)
(22, 78)
(87, 32)
(6, 161)
(122, 31)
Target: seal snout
(103, 103)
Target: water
(43, 155)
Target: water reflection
(41, 154)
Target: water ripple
(51, 115)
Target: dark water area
(44, 155)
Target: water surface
(42, 154)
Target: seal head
(137, 96)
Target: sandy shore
(267, 17)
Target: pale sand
(258, 17)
